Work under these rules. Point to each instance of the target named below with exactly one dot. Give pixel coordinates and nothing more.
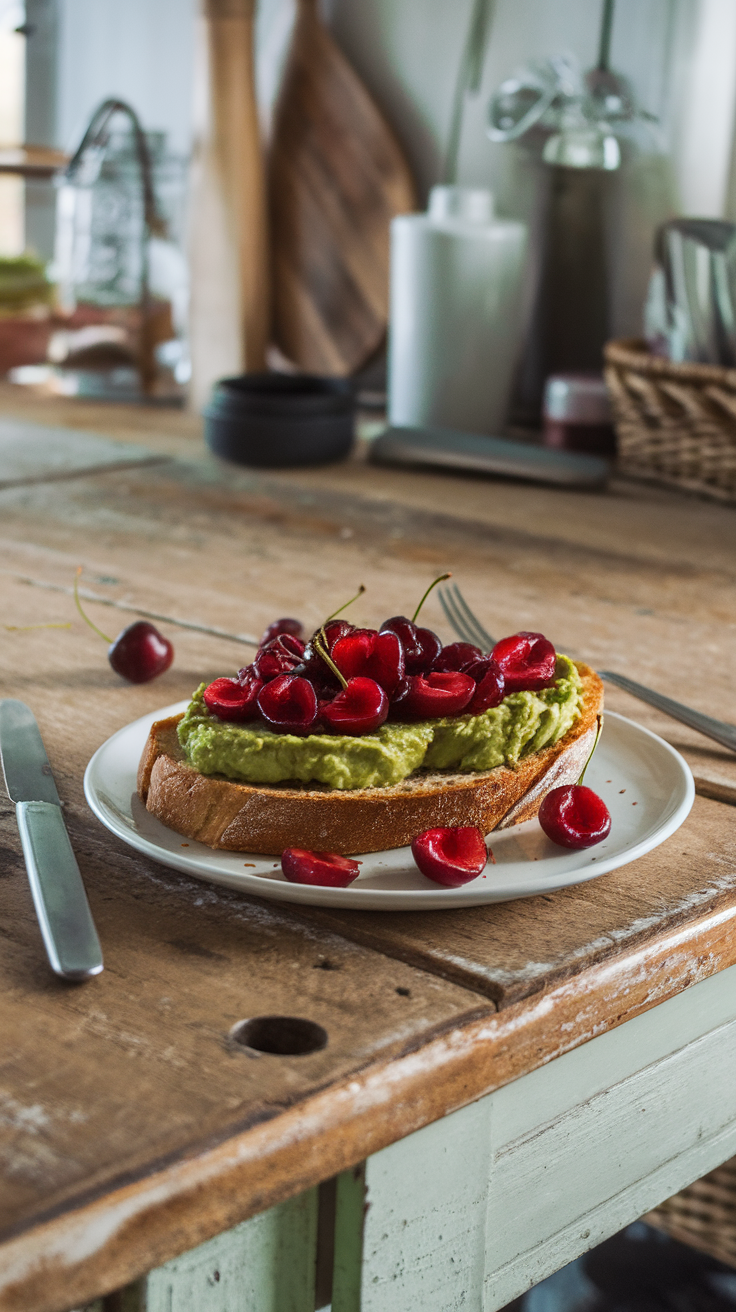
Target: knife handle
(67, 927)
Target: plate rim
(365, 899)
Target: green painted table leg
(350, 1214)
(472, 1210)
(266, 1264)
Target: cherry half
(279, 656)
(140, 653)
(372, 655)
(234, 699)
(324, 639)
(289, 704)
(489, 691)
(574, 816)
(450, 856)
(434, 694)
(361, 707)
(527, 661)
(328, 869)
(477, 669)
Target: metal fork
(469, 628)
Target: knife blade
(64, 916)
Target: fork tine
(486, 641)
(455, 620)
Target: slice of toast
(266, 819)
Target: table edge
(97, 1246)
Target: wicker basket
(704, 1214)
(676, 423)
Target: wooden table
(503, 1087)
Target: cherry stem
(359, 593)
(86, 618)
(595, 744)
(21, 628)
(441, 579)
(323, 652)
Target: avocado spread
(254, 754)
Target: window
(12, 96)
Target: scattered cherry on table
(139, 653)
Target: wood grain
(511, 950)
(35, 453)
(131, 1128)
(337, 178)
(167, 429)
(102, 1243)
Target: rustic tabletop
(132, 1127)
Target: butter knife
(67, 927)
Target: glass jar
(122, 281)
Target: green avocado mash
(251, 753)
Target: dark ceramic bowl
(280, 419)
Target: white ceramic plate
(645, 783)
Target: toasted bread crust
(265, 819)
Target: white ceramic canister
(456, 312)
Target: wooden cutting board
(337, 178)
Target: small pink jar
(577, 414)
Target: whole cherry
(450, 856)
(328, 869)
(333, 631)
(421, 646)
(286, 625)
(573, 815)
(139, 653)
(234, 699)
(457, 656)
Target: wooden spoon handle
(229, 256)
